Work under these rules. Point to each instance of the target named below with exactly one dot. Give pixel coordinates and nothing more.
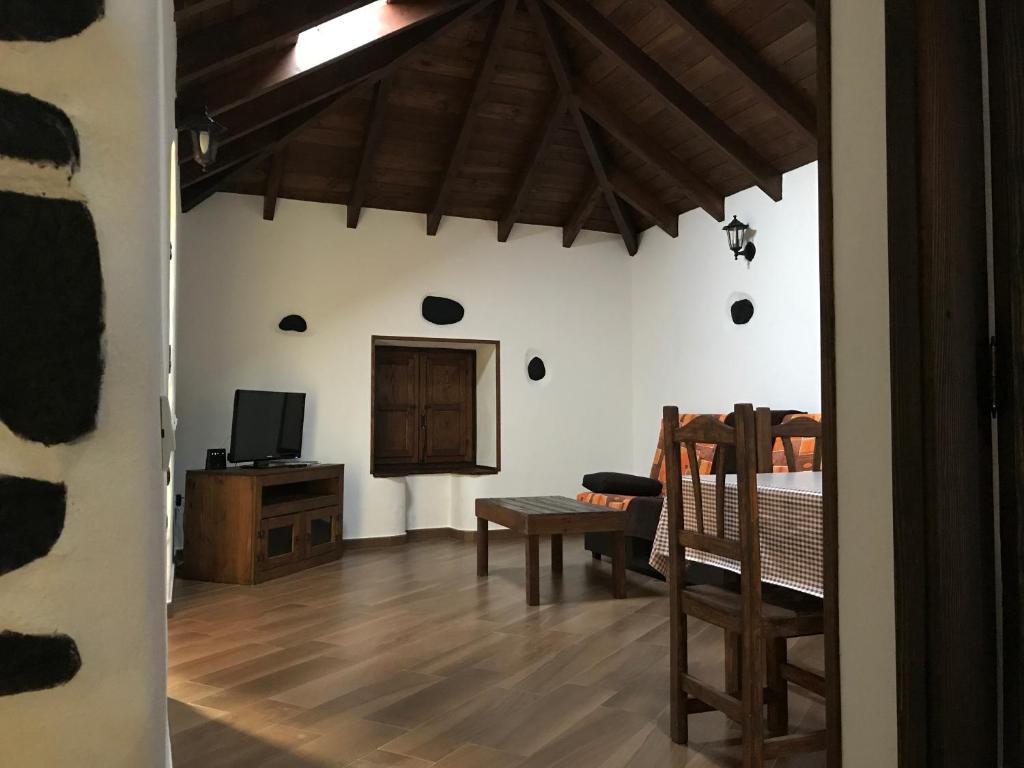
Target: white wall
(239, 275)
(866, 590)
(686, 349)
(102, 583)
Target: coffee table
(554, 516)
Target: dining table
(790, 515)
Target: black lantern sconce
(205, 133)
(737, 231)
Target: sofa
(645, 511)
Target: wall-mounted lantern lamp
(205, 133)
(737, 231)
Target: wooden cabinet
(424, 409)
(244, 526)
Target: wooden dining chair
(763, 627)
(793, 445)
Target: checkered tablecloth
(789, 506)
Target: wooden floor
(402, 657)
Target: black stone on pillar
(36, 131)
(47, 20)
(51, 318)
(36, 662)
(31, 520)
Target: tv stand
(246, 525)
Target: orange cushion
(610, 500)
(705, 451)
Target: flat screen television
(266, 426)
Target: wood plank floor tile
(402, 657)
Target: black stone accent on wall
(47, 20)
(536, 369)
(295, 323)
(37, 131)
(31, 520)
(36, 662)
(51, 318)
(742, 311)
(441, 311)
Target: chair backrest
(794, 445)
(705, 453)
(741, 442)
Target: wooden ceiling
(609, 115)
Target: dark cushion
(621, 484)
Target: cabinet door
(323, 529)
(448, 396)
(396, 422)
(280, 541)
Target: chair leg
(733, 663)
(778, 705)
(679, 726)
(753, 699)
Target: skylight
(345, 33)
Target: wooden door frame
(943, 531)
(1005, 36)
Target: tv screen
(266, 425)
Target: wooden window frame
(430, 342)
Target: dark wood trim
(274, 174)
(561, 67)
(375, 341)
(608, 38)
(374, 131)
(743, 61)
(1005, 33)
(943, 520)
(492, 48)
(219, 46)
(544, 138)
(829, 458)
(649, 149)
(591, 194)
(629, 189)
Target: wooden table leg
(481, 547)
(619, 564)
(556, 553)
(533, 570)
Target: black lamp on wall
(736, 231)
(205, 133)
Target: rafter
(274, 174)
(585, 207)
(540, 145)
(807, 9)
(559, 60)
(189, 11)
(607, 37)
(633, 193)
(226, 43)
(374, 130)
(744, 62)
(368, 64)
(277, 69)
(492, 47)
(650, 150)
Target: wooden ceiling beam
(183, 12)
(633, 193)
(226, 43)
(744, 63)
(482, 78)
(274, 174)
(558, 58)
(650, 150)
(213, 182)
(613, 42)
(587, 202)
(367, 64)
(807, 9)
(277, 69)
(371, 138)
(540, 145)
